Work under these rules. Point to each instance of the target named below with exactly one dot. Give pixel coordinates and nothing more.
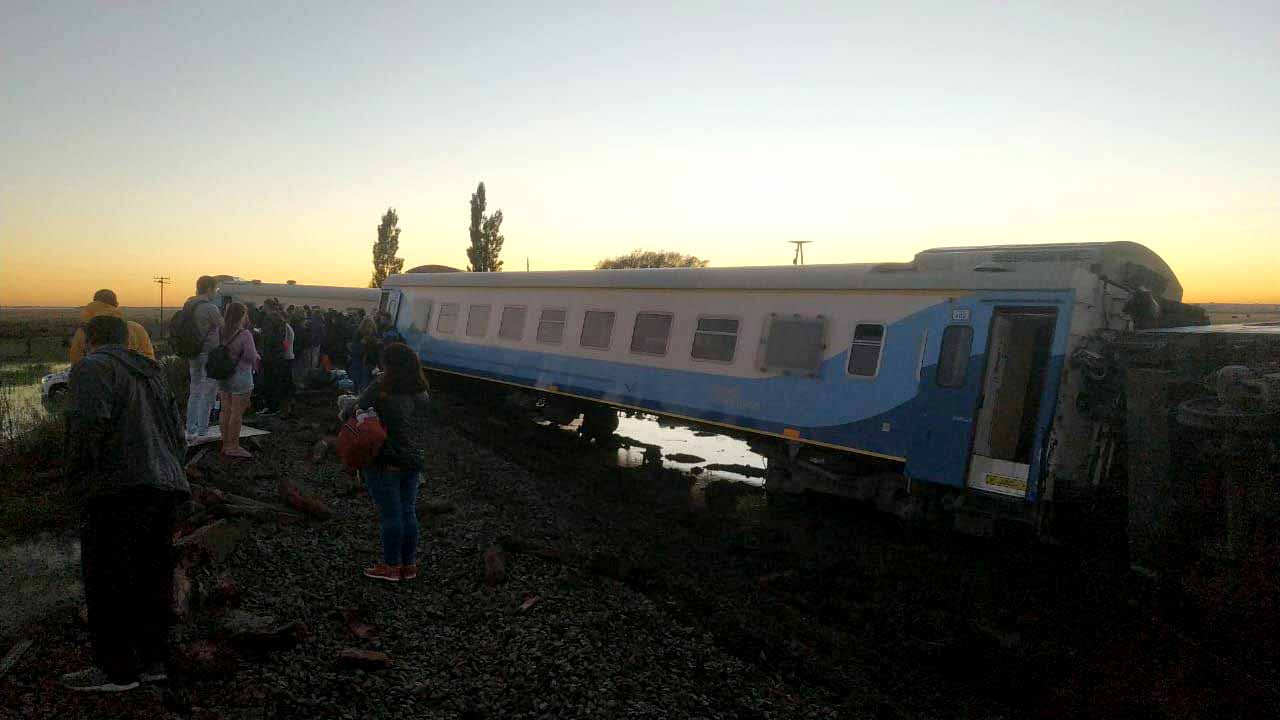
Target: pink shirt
(243, 347)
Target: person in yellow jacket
(105, 303)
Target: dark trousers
(277, 383)
(126, 551)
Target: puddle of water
(39, 576)
(21, 406)
(686, 449)
(647, 439)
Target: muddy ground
(629, 592)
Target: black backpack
(187, 342)
(220, 364)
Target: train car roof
(287, 290)
(996, 267)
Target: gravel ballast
(618, 597)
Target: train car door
(389, 303)
(950, 390)
(1018, 351)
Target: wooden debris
(12, 657)
(363, 659)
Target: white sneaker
(94, 680)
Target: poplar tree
(385, 248)
(486, 235)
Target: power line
(161, 280)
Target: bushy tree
(652, 259)
(486, 236)
(385, 261)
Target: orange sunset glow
(181, 143)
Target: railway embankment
(557, 584)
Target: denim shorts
(240, 382)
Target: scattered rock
(356, 627)
(260, 633)
(439, 508)
(495, 566)
(226, 592)
(357, 659)
(207, 496)
(15, 654)
(529, 602)
(308, 505)
(181, 593)
(213, 542)
(318, 450)
(609, 565)
(205, 659)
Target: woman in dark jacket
(394, 476)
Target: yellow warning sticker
(1005, 481)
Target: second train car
(946, 377)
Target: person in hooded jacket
(105, 303)
(125, 443)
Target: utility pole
(799, 256)
(161, 280)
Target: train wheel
(599, 423)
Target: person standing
(105, 303)
(206, 321)
(124, 441)
(393, 478)
(315, 338)
(235, 391)
(363, 354)
(276, 372)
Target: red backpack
(360, 439)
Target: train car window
(650, 335)
(447, 320)
(953, 358)
(422, 309)
(478, 321)
(795, 343)
(715, 339)
(864, 353)
(512, 325)
(597, 329)
(551, 327)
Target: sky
(176, 139)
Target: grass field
(1229, 318)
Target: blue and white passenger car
(947, 373)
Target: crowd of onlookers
(278, 349)
(126, 445)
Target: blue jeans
(395, 492)
(200, 398)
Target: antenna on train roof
(799, 256)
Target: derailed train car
(940, 382)
(323, 296)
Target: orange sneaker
(408, 572)
(390, 573)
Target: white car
(54, 386)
